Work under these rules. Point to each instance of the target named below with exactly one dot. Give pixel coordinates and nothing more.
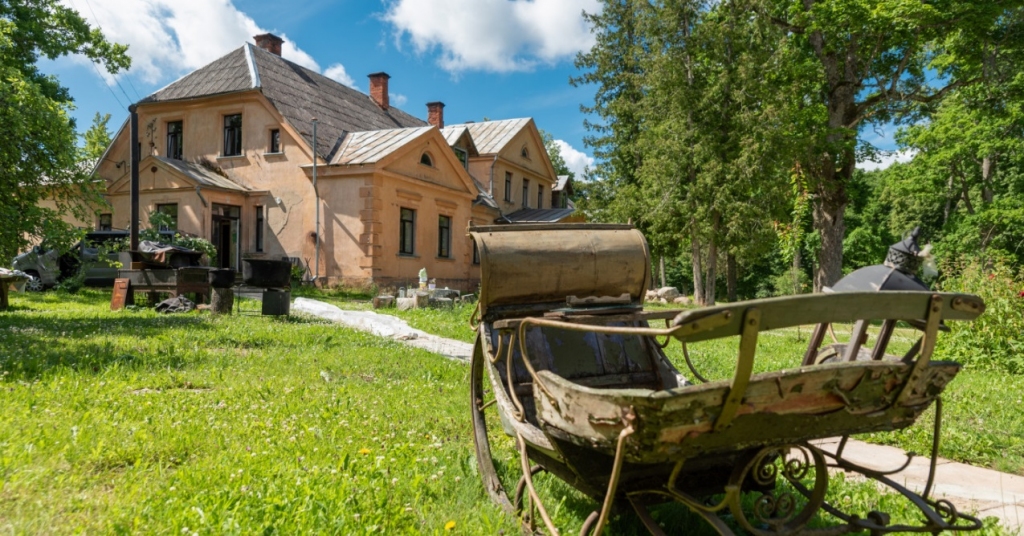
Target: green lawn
(130, 422)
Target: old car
(48, 266)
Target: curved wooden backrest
(807, 309)
(543, 265)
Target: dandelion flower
(364, 451)
(449, 525)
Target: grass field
(130, 422)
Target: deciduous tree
(39, 158)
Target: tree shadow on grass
(32, 346)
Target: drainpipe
(316, 198)
(495, 161)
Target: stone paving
(971, 489)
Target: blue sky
(483, 58)
(497, 59)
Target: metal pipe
(316, 197)
(495, 161)
(134, 184)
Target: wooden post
(3, 294)
(662, 271)
(221, 300)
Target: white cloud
(886, 159)
(397, 99)
(337, 73)
(493, 35)
(167, 38)
(576, 161)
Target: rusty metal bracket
(931, 332)
(744, 367)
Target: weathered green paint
(596, 372)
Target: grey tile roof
(491, 137)
(539, 215)
(299, 94)
(227, 74)
(370, 147)
(201, 175)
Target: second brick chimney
(435, 113)
(379, 89)
(269, 42)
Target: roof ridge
(254, 70)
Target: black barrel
(222, 278)
(266, 273)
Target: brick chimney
(269, 42)
(379, 89)
(435, 113)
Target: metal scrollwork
(778, 511)
(947, 511)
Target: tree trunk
(662, 271)
(828, 219)
(796, 272)
(951, 201)
(698, 268)
(966, 195)
(712, 273)
(730, 277)
(988, 168)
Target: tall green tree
(875, 61)
(555, 155)
(97, 138)
(39, 159)
(613, 67)
(704, 178)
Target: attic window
(525, 153)
(426, 161)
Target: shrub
(994, 341)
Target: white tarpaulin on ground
(384, 326)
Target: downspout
(134, 180)
(316, 199)
(493, 162)
(199, 192)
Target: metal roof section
(201, 175)
(299, 94)
(491, 137)
(254, 72)
(371, 146)
(538, 215)
(486, 200)
(563, 181)
(453, 135)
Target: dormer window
(426, 160)
(462, 155)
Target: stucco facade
(394, 194)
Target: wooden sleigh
(566, 363)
